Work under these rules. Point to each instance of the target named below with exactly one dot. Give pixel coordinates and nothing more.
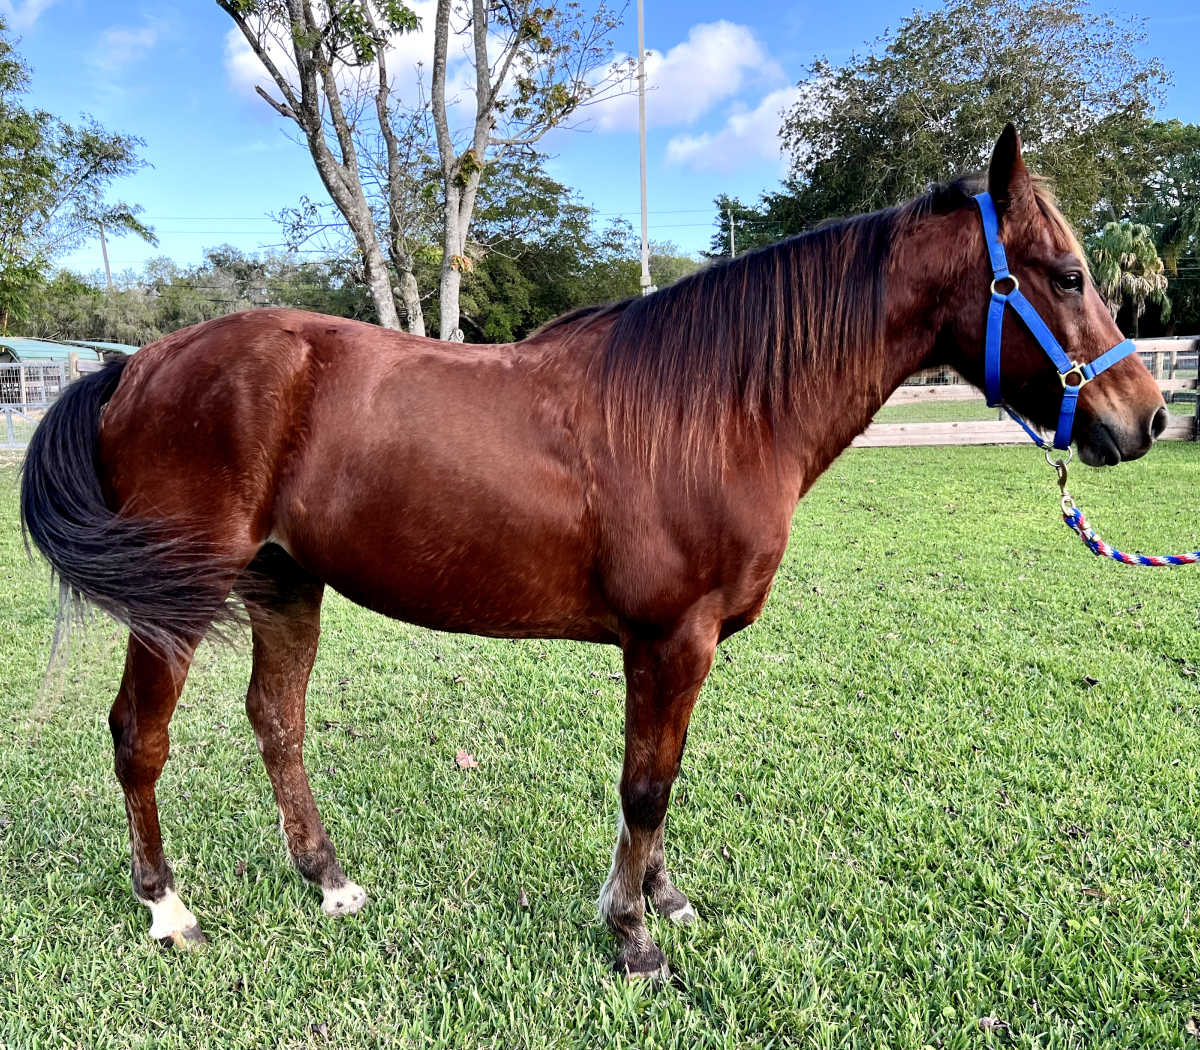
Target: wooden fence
(1173, 362)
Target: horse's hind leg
(662, 679)
(138, 720)
(285, 615)
(658, 887)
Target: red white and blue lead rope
(1075, 520)
(1078, 524)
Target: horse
(627, 475)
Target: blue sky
(221, 161)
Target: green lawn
(936, 412)
(902, 809)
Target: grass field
(902, 809)
(936, 412)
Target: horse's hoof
(668, 901)
(172, 923)
(647, 965)
(188, 938)
(684, 916)
(343, 900)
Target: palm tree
(1125, 264)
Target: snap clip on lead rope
(1078, 524)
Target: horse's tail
(166, 589)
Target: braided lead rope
(1078, 524)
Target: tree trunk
(410, 294)
(319, 96)
(451, 275)
(380, 283)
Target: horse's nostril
(1159, 423)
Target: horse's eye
(1069, 282)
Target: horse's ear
(1008, 178)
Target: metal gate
(27, 389)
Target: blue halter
(1037, 328)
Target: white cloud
(714, 63)
(749, 135)
(120, 45)
(23, 13)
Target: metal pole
(104, 249)
(647, 287)
(732, 246)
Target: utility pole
(104, 250)
(732, 246)
(647, 287)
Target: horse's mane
(738, 339)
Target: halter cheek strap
(1083, 374)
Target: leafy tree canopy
(926, 103)
(165, 296)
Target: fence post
(72, 367)
(12, 438)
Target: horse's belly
(455, 553)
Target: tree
(54, 178)
(547, 63)
(311, 50)
(536, 253)
(752, 227)
(534, 67)
(1126, 265)
(1169, 201)
(924, 106)
(166, 296)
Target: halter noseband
(1037, 328)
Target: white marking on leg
(610, 889)
(342, 900)
(169, 916)
(684, 916)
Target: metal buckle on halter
(1075, 369)
(1011, 277)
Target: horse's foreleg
(138, 720)
(285, 617)
(663, 677)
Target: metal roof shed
(103, 347)
(18, 348)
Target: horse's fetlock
(319, 864)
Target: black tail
(166, 589)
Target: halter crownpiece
(1084, 373)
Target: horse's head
(1120, 412)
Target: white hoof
(171, 920)
(345, 900)
(684, 916)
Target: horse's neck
(834, 408)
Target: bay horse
(627, 475)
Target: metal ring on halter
(1011, 277)
(1060, 461)
(1075, 369)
